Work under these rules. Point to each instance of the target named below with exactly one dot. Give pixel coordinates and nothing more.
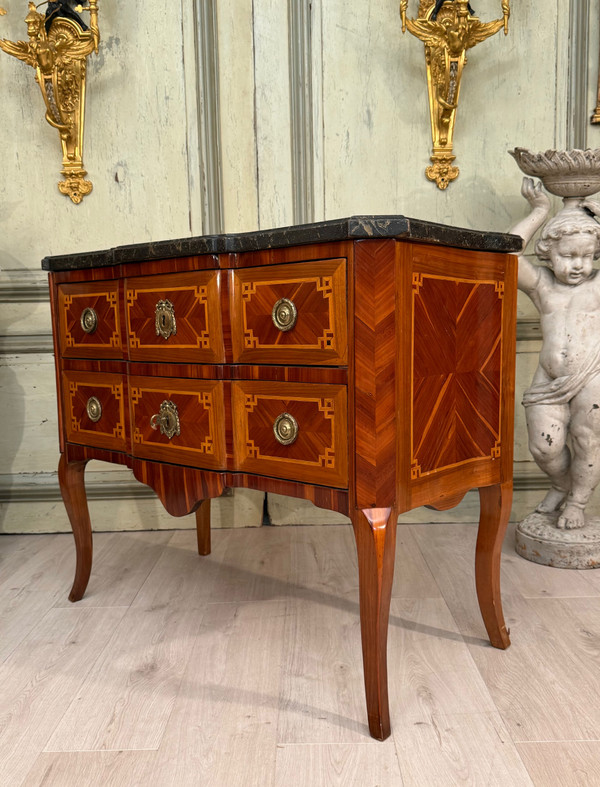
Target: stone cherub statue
(563, 402)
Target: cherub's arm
(528, 273)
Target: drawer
(175, 318)
(290, 314)
(95, 409)
(178, 421)
(291, 430)
(89, 323)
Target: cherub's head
(569, 244)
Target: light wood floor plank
(122, 563)
(444, 722)
(460, 749)
(93, 769)
(412, 576)
(322, 696)
(48, 566)
(430, 666)
(224, 724)
(257, 565)
(127, 698)
(40, 679)
(338, 765)
(569, 764)
(31, 582)
(529, 683)
(181, 576)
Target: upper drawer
(175, 318)
(290, 314)
(89, 324)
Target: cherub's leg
(585, 465)
(547, 427)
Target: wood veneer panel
(462, 326)
(320, 452)
(181, 490)
(111, 430)
(103, 298)
(196, 302)
(374, 373)
(200, 406)
(318, 291)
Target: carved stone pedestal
(538, 539)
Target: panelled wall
(237, 115)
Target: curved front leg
(375, 533)
(495, 502)
(72, 489)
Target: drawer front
(175, 318)
(178, 421)
(89, 324)
(95, 410)
(312, 425)
(290, 314)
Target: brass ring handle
(89, 320)
(285, 429)
(284, 314)
(164, 319)
(94, 409)
(167, 420)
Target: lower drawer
(296, 431)
(178, 421)
(95, 409)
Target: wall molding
(301, 110)
(24, 287)
(201, 66)
(577, 89)
(26, 344)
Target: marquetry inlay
(457, 347)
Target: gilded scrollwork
(447, 28)
(58, 47)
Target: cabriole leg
(203, 527)
(375, 533)
(495, 502)
(72, 489)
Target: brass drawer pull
(284, 314)
(89, 320)
(167, 420)
(94, 409)
(164, 321)
(285, 429)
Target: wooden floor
(244, 668)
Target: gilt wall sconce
(448, 28)
(58, 47)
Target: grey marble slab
(353, 228)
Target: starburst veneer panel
(456, 372)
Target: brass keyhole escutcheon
(89, 320)
(167, 420)
(285, 429)
(284, 314)
(94, 409)
(164, 321)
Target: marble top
(353, 228)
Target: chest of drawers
(366, 364)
